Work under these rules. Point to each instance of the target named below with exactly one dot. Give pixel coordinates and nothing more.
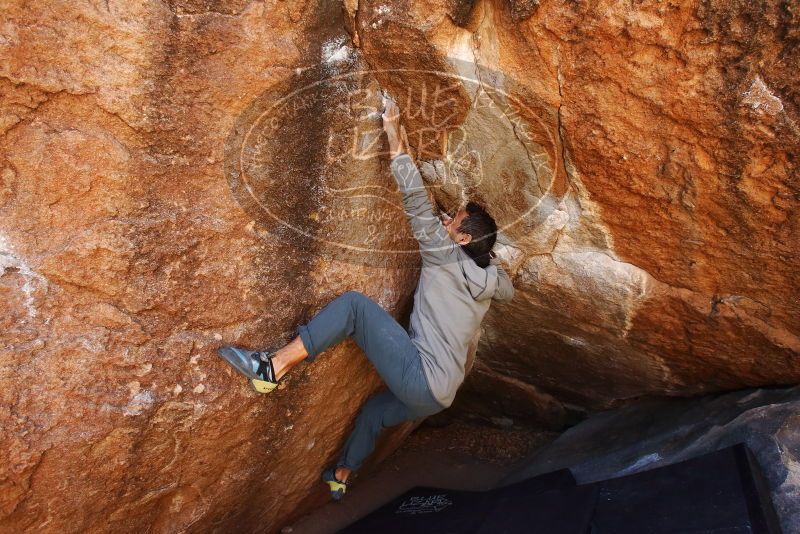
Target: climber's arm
(391, 125)
(425, 225)
(505, 289)
(427, 228)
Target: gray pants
(394, 356)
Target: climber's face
(452, 227)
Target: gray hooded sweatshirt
(453, 293)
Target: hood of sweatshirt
(481, 282)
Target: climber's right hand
(391, 125)
(391, 115)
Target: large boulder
(127, 256)
(641, 164)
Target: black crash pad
(722, 492)
(551, 502)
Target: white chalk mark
(335, 51)
(640, 463)
(759, 97)
(9, 261)
(140, 402)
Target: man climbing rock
(424, 366)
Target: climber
(424, 366)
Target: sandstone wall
(670, 264)
(640, 157)
(126, 260)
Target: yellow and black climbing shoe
(337, 487)
(255, 365)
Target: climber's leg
(381, 411)
(289, 356)
(379, 335)
(385, 342)
(385, 410)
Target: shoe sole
(337, 489)
(262, 386)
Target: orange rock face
(177, 176)
(674, 265)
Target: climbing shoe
(337, 487)
(255, 365)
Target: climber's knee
(374, 413)
(355, 299)
(353, 295)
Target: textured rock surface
(126, 260)
(640, 158)
(670, 263)
(649, 434)
(649, 188)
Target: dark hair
(480, 225)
